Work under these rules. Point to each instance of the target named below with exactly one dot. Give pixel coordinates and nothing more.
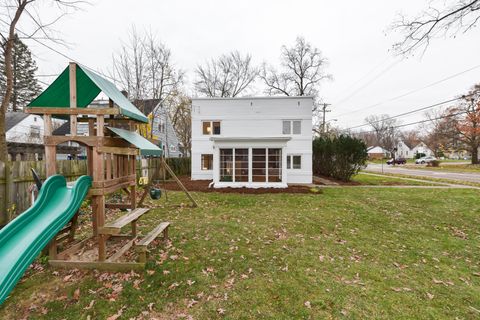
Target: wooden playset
(112, 149)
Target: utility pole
(324, 111)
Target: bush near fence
(16, 178)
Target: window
(226, 165)
(161, 126)
(241, 165)
(207, 127)
(292, 126)
(294, 162)
(286, 127)
(35, 131)
(211, 127)
(297, 127)
(207, 161)
(216, 127)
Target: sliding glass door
(266, 164)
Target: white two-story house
(252, 142)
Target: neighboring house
(252, 142)
(377, 153)
(403, 150)
(73, 148)
(24, 134)
(422, 148)
(163, 131)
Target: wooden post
(50, 150)
(73, 97)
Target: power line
(369, 82)
(421, 121)
(412, 91)
(409, 112)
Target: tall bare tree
(301, 74)
(229, 75)
(303, 70)
(11, 15)
(130, 65)
(180, 116)
(440, 19)
(385, 130)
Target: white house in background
(24, 128)
(377, 153)
(252, 142)
(403, 150)
(422, 148)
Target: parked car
(397, 161)
(424, 160)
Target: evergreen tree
(25, 85)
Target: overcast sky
(353, 35)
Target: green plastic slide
(24, 237)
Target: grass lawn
(350, 253)
(385, 180)
(475, 168)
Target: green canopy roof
(146, 147)
(89, 85)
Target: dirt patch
(202, 186)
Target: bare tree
(130, 66)
(227, 76)
(303, 69)
(449, 17)
(11, 15)
(410, 137)
(385, 130)
(441, 131)
(180, 116)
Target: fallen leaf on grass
(117, 315)
(308, 304)
(90, 305)
(76, 294)
(430, 296)
(221, 311)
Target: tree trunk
(9, 77)
(475, 155)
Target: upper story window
(211, 127)
(292, 127)
(161, 126)
(35, 131)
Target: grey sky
(352, 35)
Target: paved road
(470, 177)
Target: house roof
(253, 98)
(89, 85)
(376, 150)
(13, 118)
(146, 147)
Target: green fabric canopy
(146, 147)
(89, 85)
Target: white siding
(255, 118)
(22, 132)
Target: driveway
(468, 177)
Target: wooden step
(142, 245)
(115, 227)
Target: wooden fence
(16, 179)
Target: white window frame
(290, 161)
(290, 126)
(211, 126)
(201, 161)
